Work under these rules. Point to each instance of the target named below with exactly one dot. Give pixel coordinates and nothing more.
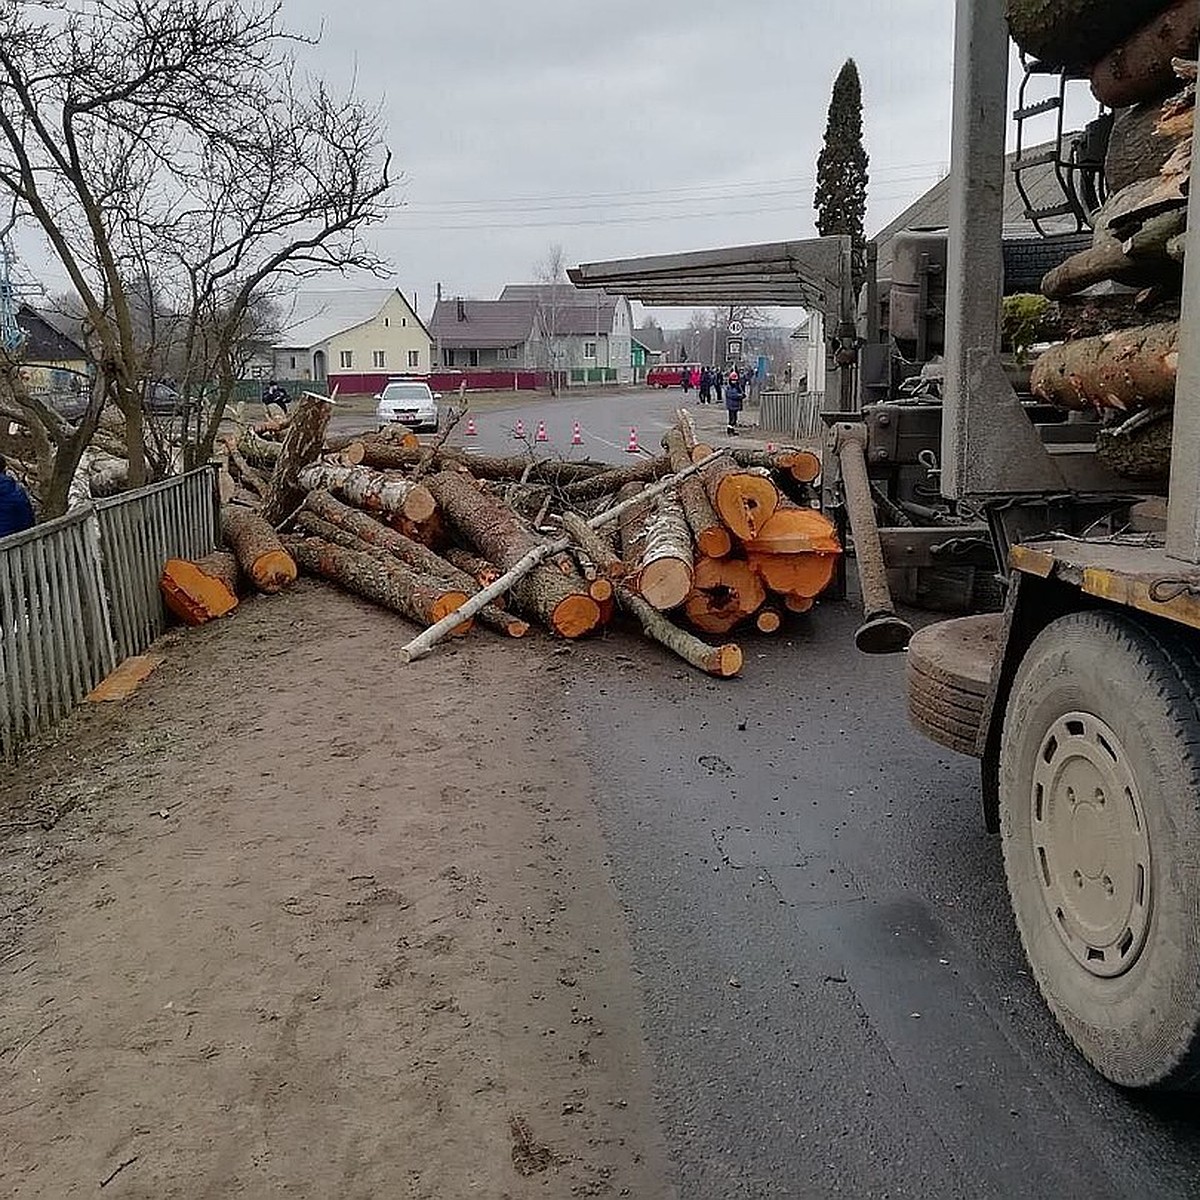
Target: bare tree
(551, 276)
(177, 166)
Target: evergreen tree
(841, 198)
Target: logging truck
(1081, 698)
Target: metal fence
(80, 593)
(793, 415)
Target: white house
(354, 338)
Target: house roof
(651, 337)
(483, 324)
(578, 312)
(317, 316)
(932, 210)
(44, 342)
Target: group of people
(715, 387)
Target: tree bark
(394, 547)
(712, 538)
(502, 469)
(802, 465)
(725, 592)
(392, 585)
(632, 527)
(561, 602)
(482, 571)
(1125, 370)
(258, 450)
(722, 661)
(664, 577)
(1075, 33)
(371, 491)
(1140, 68)
(1138, 148)
(745, 500)
(1142, 454)
(259, 551)
(200, 591)
(302, 445)
(644, 470)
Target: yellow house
(54, 366)
(355, 339)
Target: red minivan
(671, 374)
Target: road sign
(733, 348)
(735, 328)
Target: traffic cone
(576, 435)
(470, 428)
(519, 429)
(540, 436)
(770, 447)
(633, 447)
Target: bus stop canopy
(813, 274)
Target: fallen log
(258, 550)
(393, 585)
(794, 574)
(302, 444)
(644, 470)
(1075, 33)
(371, 491)
(339, 443)
(500, 469)
(664, 576)
(1126, 369)
(1140, 68)
(794, 530)
(1137, 147)
(632, 526)
(722, 661)
(725, 592)
(250, 478)
(712, 538)
(407, 553)
(424, 643)
(483, 572)
(1139, 449)
(258, 450)
(202, 590)
(802, 465)
(561, 602)
(744, 499)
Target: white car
(407, 402)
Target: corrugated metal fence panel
(795, 415)
(55, 640)
(139, 531)
(808, 415)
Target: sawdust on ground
(296, 920)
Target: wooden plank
(121, 683)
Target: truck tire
(1099, 782)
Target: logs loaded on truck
(1140, 56)
(689, 546)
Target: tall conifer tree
(841, 197)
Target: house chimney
(462, 310)
(439, 296)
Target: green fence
(593, 375)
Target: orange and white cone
(576, 435)
(519, 429)
(633, 447)
(540, 436)
(471, 428)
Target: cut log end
(805, 466)
(194, 596)
(746, 502)
(447, 603)
(665, 583)
(725, 661)
(768, 621)
(715, 542)
(798, 604)
(575, 616)
(601, 590)
(419, 504)
(273, 571)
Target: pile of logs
(1141, 58)
(690, 542)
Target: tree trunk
(802, 465)
(561, 602)
(712, 538)
(722, 661)
(245, 474)
(393, 585)
(665, 572)
(202, 590)
(1140, 68)
(644, 470)
(1075, 33)
(371, 491)
(503, 469)
(1142, 454)
(483, 572)
(302, 445)
(338, 442)
(725, 592)
(1138, 148)
(259, 551)
(258, 450)
(1125, 370)
(412, 555)
(632, 528)
(744, 500)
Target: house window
(293, 362)
(447, 357)
(414, 359)
(387, 321)
(589, 349)
(473, 358)
(379, 359)
(347, 359)
(404, 322)
(509, 352)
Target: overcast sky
(627, 127)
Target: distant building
(649, 349)
(353, 339)
(54, 364)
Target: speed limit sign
(735, 327)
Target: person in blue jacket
(735, 393)
(16, 512)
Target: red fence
(362, 384)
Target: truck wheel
(1100, 824)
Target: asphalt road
(835, 996)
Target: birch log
(371, 491)
(665, 571)
(302, 445)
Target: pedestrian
(734, 395)
(705, 386)
(16, 512)
(685, 378)
(273, 393)
(717, 386)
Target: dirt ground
(295, 920)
